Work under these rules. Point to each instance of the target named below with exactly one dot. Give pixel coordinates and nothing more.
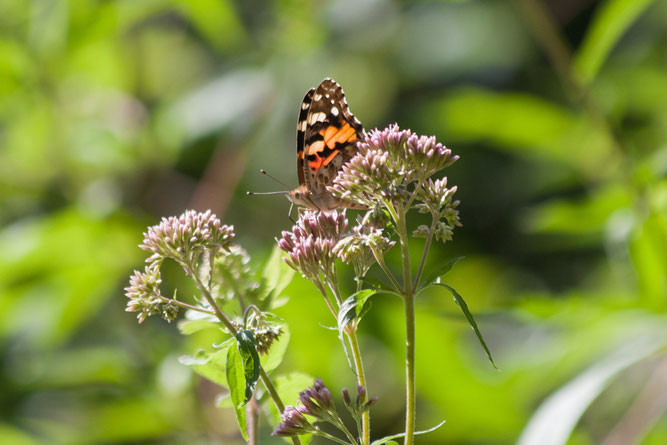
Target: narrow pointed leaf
(611, 21)
(441, 270)
(376, 284)
(471, 321)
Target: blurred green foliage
(115, 113)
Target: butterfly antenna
(262, 171)
(266, 193)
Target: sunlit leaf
(523, 125)
(15, 436)
(210, 366)
(235, 374)
(274, 357)
(276, 273)
(555, 419)
(216, 19)
(589, 215)
(611, 20)
(648, 249)
(352, 307)
(289, 386)
(188, 327)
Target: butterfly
(326, 139)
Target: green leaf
(389, 439)
(471, 321)
(352, 307)
(189, 327)
(288, 387)
(274, 357)
(611, 20)
(237, 385)
(211, 366)
(276, 273)
(441, 271)
(251, 362)
(554, 420)
(379, 285)
(522, 125)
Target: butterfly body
(327, 136)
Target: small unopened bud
(366, 406)
(361, 394)
(346, 397)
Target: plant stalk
(427, 247)
(408, 297)
(361, 379)
(266, 380)
(351, 332)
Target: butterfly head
(301, 196)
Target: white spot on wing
(334, 111)
(302, 125)
(317, 97)
(316, 117)
(305, 105)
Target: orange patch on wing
(333, 135)
(330, 157)
(316, 165)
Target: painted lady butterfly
(326, 137)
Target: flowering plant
(390, 176)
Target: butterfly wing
(330, 135)
(301, 125)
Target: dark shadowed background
(116, 113)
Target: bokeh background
(115, 113)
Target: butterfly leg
(289, 213)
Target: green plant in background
(390, 175)
(115, 113)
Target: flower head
(145, 297)
(317, 402)
(310, 245)
(181, 238)
(367, 237)
(435, 198)
(388, 161)
(293, 423)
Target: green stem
(327, 300)
(341, 426)
(379, 258)
(232, 329)
(361, 379)
(351, 332)
(186, 305)
(422, 262)
(408, 295)
(332, 438)
(410, 369)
